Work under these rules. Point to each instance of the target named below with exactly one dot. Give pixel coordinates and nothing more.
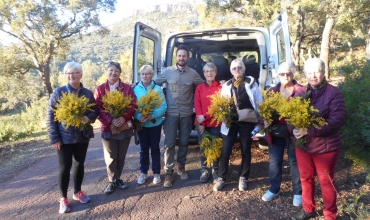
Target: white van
(261, 49)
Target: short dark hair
(183, 47)
(115, 64)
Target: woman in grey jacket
(70, 143)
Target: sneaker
(214, 175)
(297, 200)
(268, 196)
(303, 215)
(142, 178)
(110, 188)
(183, 174)
(204, 175)
(82, 197)
(168, 180)
(220, 183)
(243, 184)
(121, 184)
(64, 206)
(156, 179)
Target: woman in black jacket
(70, 143)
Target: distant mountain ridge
(102, 49)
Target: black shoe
(110, 188)
(121, 184)
(303, 215)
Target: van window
(145, 55)
(281, 46)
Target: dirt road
(31, 192)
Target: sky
(124, 8)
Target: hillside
(101, 49)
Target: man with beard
(180, 81)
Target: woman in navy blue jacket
(70, 144)
(150, 133)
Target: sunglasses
(287, 74)
(236, 68)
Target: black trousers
(68, 155)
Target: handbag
(88, 132)
(280, 130)
(245, 115)
(127, 125)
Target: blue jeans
(149, 139)
(276, 151)
(216, 131)
(244, 129)
(171, 125)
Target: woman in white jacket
(247, 95)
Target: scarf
(238, 82)
(309, 89)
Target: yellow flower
(116, 103)
(220, 108)
(147, 103)
(212, 147)
(269, 108)
(301, 114)
(70, 110)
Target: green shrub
(356, 130)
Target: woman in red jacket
(115, 142)
(320, 154)
(201, 103)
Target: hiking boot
(64, 206)
(297, 200)
(110, 188)
(204, 175)
(303, 215)
(81, 196)
(219, 184)
(156, 179)
(268, 196)
(168, 180)
(243, 184)
(214, 175)
(121, 184)
(183, 174)
(142, 178)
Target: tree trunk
(45, 76)
(368, 42)
(325, 45)
(299, 27)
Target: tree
(43, 28)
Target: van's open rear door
(147, 50)
(280, 44)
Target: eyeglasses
(145, 74)
(236, 68)
(73, 73)
(287, 74)
(209, 71)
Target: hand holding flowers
(221, 108)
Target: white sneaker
(268, 196)
(142, 178)
(297, 200)
(156, 179)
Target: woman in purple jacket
(321, 151)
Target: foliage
(356, 129)
(21, 125)
(116, 103)
(43, 28)
(211, 146)
(91, 73)
(70, 110)
(221, 108)
(149, 102)
(19, 91)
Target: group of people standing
(318, 158)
